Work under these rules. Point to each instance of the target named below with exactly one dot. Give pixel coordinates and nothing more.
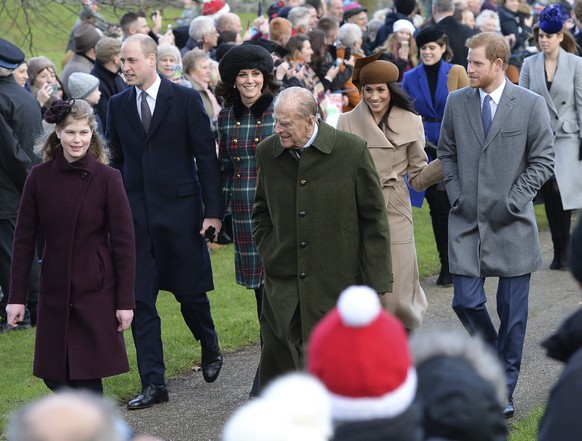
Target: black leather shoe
(445, 278)
(509, 410)
(150, 395)
(211, 364)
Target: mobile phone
(404, 43)
(169, 27)
(299, 66)
(338, 62)
(260, 10)
(248, 24)
(347, 53)
(54, 89)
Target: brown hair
(568, 43)
(495, 46)
(80, 110)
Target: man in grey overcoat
(496, 149)
(320, 226)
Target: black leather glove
(430, 149)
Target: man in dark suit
(442, 14)
(162, 142)
(496, 149)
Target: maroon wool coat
(87, 271)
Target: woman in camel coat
(395, 135)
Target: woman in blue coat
(429, 85)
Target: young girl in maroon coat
(86, 296)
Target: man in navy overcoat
(161, 140)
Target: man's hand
(211, 222)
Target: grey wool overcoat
(319, 226)
(491, 181)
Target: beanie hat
(403, 24)
(215, 7)
(352, 9)
(10, 55)
(36, 65)
(429, 34)
(85, 37)
(295, 406)
(171, 50)
(405, 6)
(360, 353)
(370, 70)
(106, 48)
(551, 19)
(245, 56)
(81, 85)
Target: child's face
(94, 97)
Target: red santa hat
(360, 353)
(215, 8)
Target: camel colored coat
(395, 155)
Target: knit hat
(245, 56)
(429, 34)
(551, 19)
(106, 48)
(352, 9)
(370, 70)
(215, 8)
(171, 50)
(85, 37)
(36, 65)
(10, 55)
(81, 85)
(293, 407)
(360, 353)
(405, 6)
(399, 25)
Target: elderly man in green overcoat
(319, 225)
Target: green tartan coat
(319, 226)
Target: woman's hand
(282, 70)
(124, 318)
(14, 314)
(403, 52)
(332, 72)
(44, 94)
(350, 62)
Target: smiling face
(292, 129)
(432, 52)
(21, 74)
(166, 65)
(75, 139)
(403, 35)
(137, 69)
(550, 43)
(249, 83)
(47, 75)
(377, 97)
(305, 52)
(483, 73)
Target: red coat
(87, 271)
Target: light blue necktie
(486, 114)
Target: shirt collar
(153, 90)
(495, 95)
(313, 136)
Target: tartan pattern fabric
(238, 139)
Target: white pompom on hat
(360, 353)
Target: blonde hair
(391, 47)
(47, 146)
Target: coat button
(258, 123)
(556, 116)
(238, 123)
(257, 139)
(235, 141)
(303, 244)
(563, 102)
(83, 175)
(302, 214)
(302, 276)
(303, 182)
(237, 159)
(238, 175)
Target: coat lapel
(504, 108)
(539, 75)
(163, 101)
(423, 83)
(562, 76)
(132, 114)
(473, 109)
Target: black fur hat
(245, 56)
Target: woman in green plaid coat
(247, 87)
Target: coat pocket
(570, 126)
(189, 189)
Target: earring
(234, 86)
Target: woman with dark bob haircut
(393, 130)
(247, 86)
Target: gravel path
(197, 411)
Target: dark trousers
(438, 202)
(6, 238)
(512, 307)
(559, 220)
(146, 328)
